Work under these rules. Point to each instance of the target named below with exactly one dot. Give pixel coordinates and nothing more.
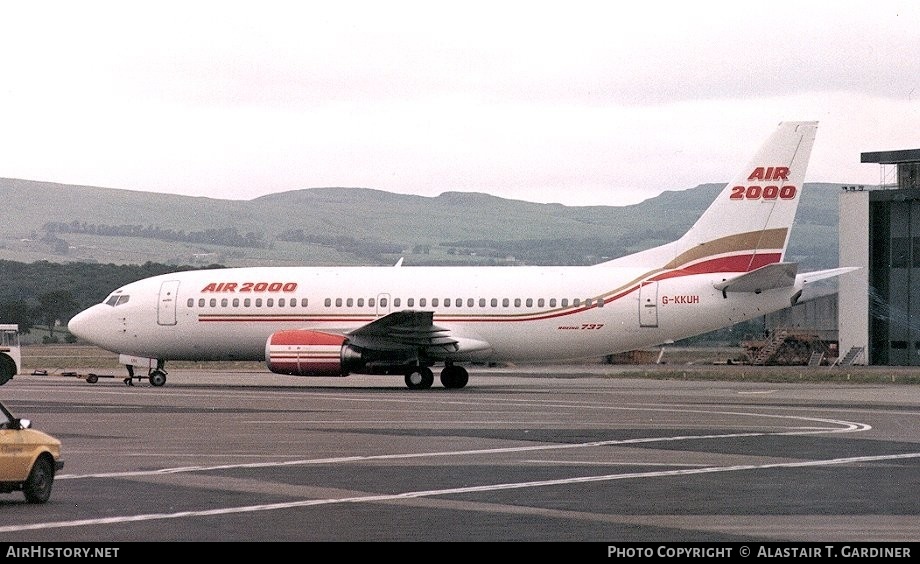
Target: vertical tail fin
(748, 224)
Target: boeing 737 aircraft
(335, 321)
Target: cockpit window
(116, 300)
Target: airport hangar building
(879, 304)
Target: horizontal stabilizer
(769, 277)
(809, 277)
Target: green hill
(46, 221)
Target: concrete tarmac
(518, 455)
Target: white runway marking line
(448, 491)
(840, 427)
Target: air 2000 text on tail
(335, 321)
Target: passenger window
(224, 302)
(552, 302)
(410, 302)
(494, 302)
(517, 302)
(190, 302)
(350, 302)
(280, 302)
(396, 302)
(529, 302)
(338, 302)
(213, 302)
(505, 302)
(328, 302)
(422, 302)
(383, 302)
(470, 302)
(201, 302)
(360, 302)
(258, 302)
(600, 302)
(270, 302)
(565, 302)
(576, 302)
(447, 302)
(541, 302)
(236, 302)
(482, 302)
(459, 302)
(434, 302)
(371, 302)
(247, 302)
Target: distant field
(77, 358)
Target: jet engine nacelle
(311, 353)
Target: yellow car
(28, 458)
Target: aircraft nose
(82, 325)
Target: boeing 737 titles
(335, 321)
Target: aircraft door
(648, 304)
(166, 311)
(383, 304)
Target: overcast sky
(581, 103)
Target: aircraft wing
(769, 277)
(402, 330)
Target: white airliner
(333, 321)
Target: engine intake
(311, 353)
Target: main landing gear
(156, 376)
(452, 377)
